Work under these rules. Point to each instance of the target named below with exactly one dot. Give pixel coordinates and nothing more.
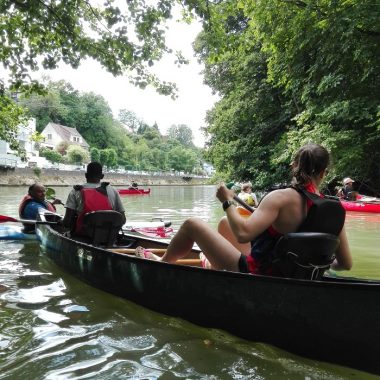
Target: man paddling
(32, 202)
(91, 196)
(347, 191)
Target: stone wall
(49, 177)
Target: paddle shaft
(242, 203)
(4, 219)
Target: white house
(208, 168)
(54, 134)
(8, 157)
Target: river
(53, 326)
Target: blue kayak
(10, 232)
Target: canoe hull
(334, 320)
(133, 191)
(361, 206)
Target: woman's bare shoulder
(282, 193)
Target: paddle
(241, 202)
(131, 225)
(154, 232)
(4, 219)
(50, 196)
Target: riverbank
(49, 177)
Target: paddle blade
(154, 232)
(4, 218)
(243, 212)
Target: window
(75, 139)
(49, 136)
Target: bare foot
(205, 263)
(146, 254)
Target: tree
(289, 72)
(111, 158)
(69, 32)
(129, 119)
(45, 108)
(103, 156)
(11, 116)
(51, 155)
(62, 147)
(181, 133)
(37, 138)
(95, 154)
(77, 155)
(182, 159)
(41, 35)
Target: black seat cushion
(304, 255)
(102, 227)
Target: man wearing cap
(91, 196)
(346, 192)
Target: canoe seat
(102, 227)
(304, 255)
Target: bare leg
(219, 251)
(225, 230)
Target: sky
(194, 98)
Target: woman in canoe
(280, 212)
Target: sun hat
(348, 180)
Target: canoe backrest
(102, 227)
(304, 255)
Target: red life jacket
(94, 199)
(27, 198)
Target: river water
(53, 326)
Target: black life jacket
(325, 215)
(309, 252)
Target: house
(8, 157)
(54, 134)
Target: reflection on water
(363, 231)
(56, 327)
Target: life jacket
(94, 199)
(27, 198)
(30, 228)
(324, 215)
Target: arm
(70, 213)
(246, 229)
(118, 206)
(69, 218)
(343, 259)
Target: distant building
(8, 157)
(54, 134)
(208, 168)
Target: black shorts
(243, 264)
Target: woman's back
(291, 209)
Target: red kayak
(361, 206)
(133, 191)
